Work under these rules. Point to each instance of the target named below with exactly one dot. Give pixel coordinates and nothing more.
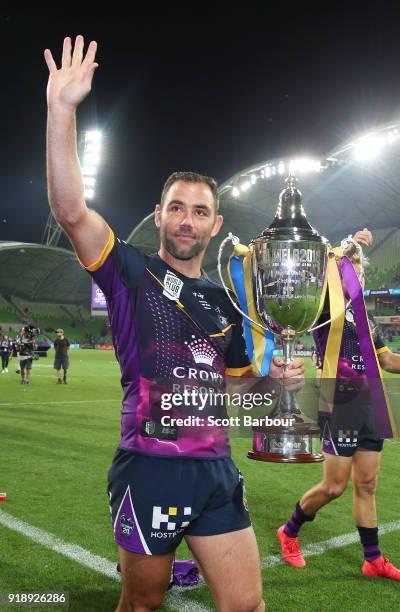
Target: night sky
(213, 95)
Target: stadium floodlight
(89, 194)
(273, 169)
(393, 135)
(93, 147)
(91, 159)
(302, 165)
(93, 136)
(89, 170)
(89, 151)
(368, 147)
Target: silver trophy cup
(288, 265)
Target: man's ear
(157, 216)
(217, 225)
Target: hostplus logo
(202, 352)
(166, 523)
(347, 436)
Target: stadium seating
(77, 323)
(382, 270)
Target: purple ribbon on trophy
(383, 415)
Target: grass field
(57, 443)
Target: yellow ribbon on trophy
(259, 341)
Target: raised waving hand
(71, 83)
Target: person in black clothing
(61, 359)
(26, 345)
(6, 348)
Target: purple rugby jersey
(350, 363)
(358, 409)
(160, 348)
(6, 346)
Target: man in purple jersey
(174, 331)
(351, 446)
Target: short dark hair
(192, 177)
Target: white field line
(72, 551)
(318, 548)
(175, 597)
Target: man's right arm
(67, 87)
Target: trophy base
(282, 458)
(294, 445)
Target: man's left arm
(389, 361)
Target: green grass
(56, 445)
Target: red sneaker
(380, 567)
(290, 549)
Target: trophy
(288, 264)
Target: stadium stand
(46, 286)
(384, 268)
(76, 321)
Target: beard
(183, 252)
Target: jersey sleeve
(118, 267)
(237, 360)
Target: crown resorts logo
(202, 352)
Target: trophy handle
(349, 246)
(235, 241)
